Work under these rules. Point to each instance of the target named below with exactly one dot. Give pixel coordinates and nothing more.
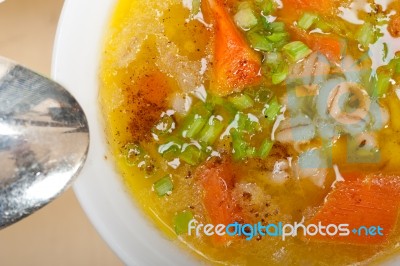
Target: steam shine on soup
(259, 132)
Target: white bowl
(76, 58)
(79, 41)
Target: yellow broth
(148, 45)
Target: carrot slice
(371, 200)
(299, 6)
(394, 26)
(329, 46)
(217, 180)
(236, 64)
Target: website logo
(284, 231)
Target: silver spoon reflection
(44, 139)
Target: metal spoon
(44, 139)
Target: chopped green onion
(133, 154)
(196, 5)
(267, 7)
(280, 74)
(277, 27)
(273, 58)
(251, 152)
(196, 120)
(192, 155)
(259, 42)
(385, 51)
(181, 222)
(165, 125)
(272, 110)
(163, 186)
(215, 100)
(366, 34)
(296, 51)
(323, 25)
(211, 131)
(382, 80)
(307, 20)
(195, 127)
(240, 146)
(265, 149)
(263, 95)
(241, 101)
(171, 153)
(277, 37)
(136, 156)
(245, 124)
(242, 121)
(222, 102)
(395, 65)
(382, 84)
(265, 24)
(171, 149)
(245, 18)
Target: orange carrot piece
(299, 6)
(371, 200)
(217, 180)
(236, 65)
(394, 26)
(326, 45)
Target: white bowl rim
(76, 57)
(99, 189)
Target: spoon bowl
(44, 139)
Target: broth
(158, 81)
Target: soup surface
(260, 132)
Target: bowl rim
(109, 207)
(99, 188)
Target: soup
(259, 132)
